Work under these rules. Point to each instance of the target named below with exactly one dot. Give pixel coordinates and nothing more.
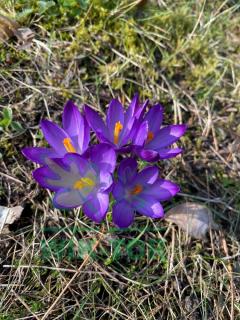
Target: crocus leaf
(45, 5)
(7, 117)
(17, 126)
(25, 13)
(194, 218)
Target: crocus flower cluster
(85, 175)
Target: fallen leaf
(194, 218)
(9, 216)
(10, 28)
(25, 35)
(7, 27)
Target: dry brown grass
(193, 69)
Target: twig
(25, 305)
(11, 178)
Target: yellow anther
(118, 128)
(68, 145)
(136, 190)
(84, 182)
(150, 136)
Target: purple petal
(95, 122)
(169, 153)
(133, 107)
(78, 164)
(96, 207)
(129, 119)
(130, 134)
(38, 154)
(104, 139)
(43, 175)
(140, 112)
(119, 191)
(166, 136)
(126, 134)
(105, 180)
(122, 214)
(54, 136)
(148, 206)
(127, 170)
(154, 117)
(147, 155)
(67, 199)
(134, 104)
(138, 117)
(73, 120)
(86, 138)
(141, 134)
(58, 164)
(76, 126)
(103, 156)
(125, 149)
(55, 175)
(147, 176)
(69, 169)
(115, 114)
(162, 190)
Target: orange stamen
(118, 128)
(137, 189)
(68, 145)
(150, 136)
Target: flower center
(136, 190)
(68, 145)
(118, 128)
(150, 136)
(83, 182)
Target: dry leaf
(7, 27)
(9, 216)
(194, 218)
(25, 35)
(10, 28)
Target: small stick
(24, 304)
(11, 178)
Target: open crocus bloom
(157, 140)
(74, 137)
(81, 175)
(79, 181)
(120, 126)
(139, 192)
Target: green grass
(184, 54)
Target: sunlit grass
(184, 54)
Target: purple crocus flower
(120, 126)
(78, 181)
(157, 140)
(74, 137)
(139, 192)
